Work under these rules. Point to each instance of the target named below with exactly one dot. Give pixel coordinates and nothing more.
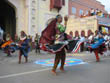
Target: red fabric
(63, 2)
(48, 35)
(56, 4)
(105, 15)
(96, 54)
(109, 15)
(51, 4)
(43, 47)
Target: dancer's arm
(66, 20)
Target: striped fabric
(71, 46)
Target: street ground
(86, 71)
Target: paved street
(88, 71)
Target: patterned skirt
(70, 45)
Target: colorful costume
(7, 46)
(23, 48)
(98, 47)
(49, 36)
(54, 40)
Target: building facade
(14, 16)
(78, 7)
(30, 16)
(88, 24)
(47, 9)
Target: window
(33, 11)
(73, 10)
(80, 12)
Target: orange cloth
(6, 44)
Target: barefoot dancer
(55, 40)
(49, 35)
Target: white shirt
(82, 39)
(90, 37)
(92, 11)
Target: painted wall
(79, 24)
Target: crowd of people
(92, 37)
(97, 42)
(94, 41)
(97, 12)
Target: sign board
(103, 21)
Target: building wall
(21, 9)
(45, 14)
(85, 5)
(32, 15)
(82, 24)
(33, 12)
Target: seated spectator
(92, 11)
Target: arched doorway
(7, 18)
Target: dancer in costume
(55, 40)
(23, 47)
(98, 47)
(48, 37)
(61, 55)
(7, 45)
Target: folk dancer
(98, 47)
(49, 35)
(23, 47)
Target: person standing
(71, 35)
(92, 12)
(82, 38)
(37, 49)
(23, 47)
